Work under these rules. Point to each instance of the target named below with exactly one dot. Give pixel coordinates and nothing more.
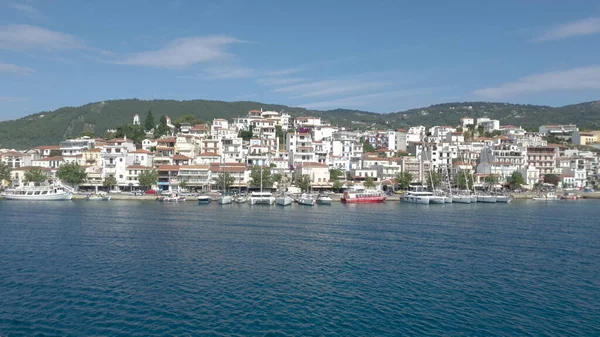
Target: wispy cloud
(184, 52)
(227, 72)
(28, 10)
(582, 78)
(27, 37)
(280, 81)
(330, 87)
(582, 27)
(283, 72)
(369, 99)
(15, 69)
(11, 99)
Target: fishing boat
(550, 196)
(569, 196)
(204, 199)
(323, 199)
(361, 195)
(306, 199)
(56, 191)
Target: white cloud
(583, 27)
(581, 78)
(28, 10)
(26, 37)
(330, 88)
(185, 52)
(280, 81)
(369, 99)
(15, 69)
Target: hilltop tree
(134, 132)
(303, 182)
(35, 175)
(245, 135)
(369, 183)
(404, 179)
(4, 172)
(110, 182)
(162, 128)
(224, 179)
(367, 147)
(515, 180)
(255, 176)
(148, 178)
(72, 174)
(149, 121)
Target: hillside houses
(196, 155)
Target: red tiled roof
(28, 168)
(141, 151)
(208, 154)
(142, 167)
(48, 147)
(168, 168)
(57, 158)
(180, 157)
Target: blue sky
(377, 55)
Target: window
(120, 176)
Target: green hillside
(50, 127)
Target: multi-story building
(114, 159)
(544, 159)
(72, 147)
(560, 131)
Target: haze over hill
(50, 127)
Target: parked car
(151, 192)
(137, 192)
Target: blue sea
(127, 268)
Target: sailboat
(261, 198)
(306, 198)
(283, 199)
(225, 199)
(463, 198)
(239, 198)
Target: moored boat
(486, 198)
(550, 196)
(56, 191)
(204, 199)
(284, 200)
(503, 199)
(261, 198)
(362, 196)
(240, 199)
(171, 198)
(225, 200)
(461, 199)
(323, 199)
(306, 200)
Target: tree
(337, 185)
(148, 178)
(367, 147)
(182, 184)
(54, 153)
(434, 179)
(190, 119)
(515, 180)
(551, 179)
(4, 172)
(245, 135)
(335, 174)
(224, 179)
(134, 132)
(272, 165)
(35, 175)
(480, 130)
(72, 174)
(404, 179)
(464, 180)
(303, 182)
(255, 176)
(491, 179)
(88, 134)
(276, 177)
(109, 182)
(149, 121)
(369, 183)
(162, 128)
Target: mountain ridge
(50, 127)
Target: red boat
(363, 196)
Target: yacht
(461, 199)
(261, 198)
(486, 198)
(362, 196)
(323, 199)
(503, 199)
(225, 200)
(56, 191)
(550, 196)
(240, 199)
(306, 199)
(284, 200)
(417, 197)
(204, 199)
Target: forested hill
(50, 127)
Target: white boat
(240, 199)
(461, 199)
(56, 191)
(261, 198)
(503, 199)
(323, 199)
(417, 197)
(550, 196)
(171, 198)
(225, 200)
(284, 200)
(306, 199)
(486, 198)
(204, 199)
(473, 198)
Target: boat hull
(47, 197)
(415, 200)
(326, 201)
(486, 199)
(284, 201)
(461, 199)
(306, 201)
(262, 200)
(503, 199)
(361, 200)
(205, 200)
(226, 200)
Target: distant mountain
(50, 127)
